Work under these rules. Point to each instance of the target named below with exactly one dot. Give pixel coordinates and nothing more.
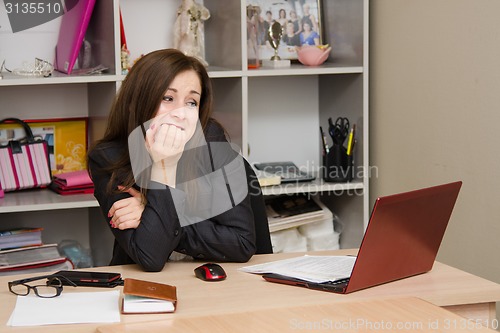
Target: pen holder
(337, 165)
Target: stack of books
(75, 182)
(22, 251)
(20, 237)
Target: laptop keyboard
(337, 282)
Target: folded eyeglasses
(53, 286)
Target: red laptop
(401, 240)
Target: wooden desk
(388, 315)
(444, 286)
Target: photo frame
(291, 14)
(66, 137)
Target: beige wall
(435, 114)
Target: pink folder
(74, 24)
(73, 179)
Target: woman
(308, 36)
(282, 19)
(290, 38)
(157, 197)
(297, 26)
(308, 17)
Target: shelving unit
(273, 114)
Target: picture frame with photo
(67, 140)
(301, 23)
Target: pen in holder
(338, 165)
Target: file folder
(74, 25)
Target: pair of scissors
(339, 130)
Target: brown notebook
(141, 296)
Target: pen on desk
(326, 150)
(350, 142)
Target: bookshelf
(273, 114)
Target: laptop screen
(403, 235)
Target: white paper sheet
(310, 268)
(68, 308)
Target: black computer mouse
(210, 272)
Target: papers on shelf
(266, 178)
(68, 308)
(295, 210)
(309, 268)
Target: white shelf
(223, 73)
(56, 78)
(297, 69)
(38, 200)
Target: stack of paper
(309, 268)
(321, 235)
(68, 308)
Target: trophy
(274, 34)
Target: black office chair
(263, 237)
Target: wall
(434, 114)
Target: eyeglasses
(52, 288)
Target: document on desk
(317, 269)
(68, 308)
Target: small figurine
(125, 59)
(253, 24)
(189, 29)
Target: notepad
(139, 304)
(148, 297)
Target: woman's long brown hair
(139, 98)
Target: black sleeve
(159, 232)
(230, 234)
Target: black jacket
(229, 236)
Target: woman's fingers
(126, 213)
(171, 136)
(165, 141)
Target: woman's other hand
(126, 213)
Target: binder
(74, 25)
